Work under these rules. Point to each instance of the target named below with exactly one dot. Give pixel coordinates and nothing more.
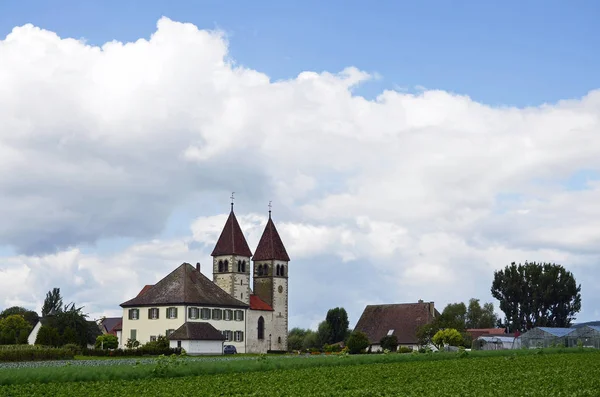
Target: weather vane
(269, 209)
(232, 198)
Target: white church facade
(201, 315)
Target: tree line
(332, 330)
(459, 317)
(530, 295)
(62, 324)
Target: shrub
(132, 343)
(357, 342)
(332, 348)
(47, 336)
(74, 347)
(160, 343)
(106, 342)
(404, 349)
(389, 342)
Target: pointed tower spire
(232, 240)
(270, 246)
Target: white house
(252, 319)
(197, 338)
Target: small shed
(546, 337)
(197, 338)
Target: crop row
(531, 375)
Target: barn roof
(196, 331)
(186, 286)
(401, 320)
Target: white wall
(213, 347)
(34, 333)
(147, 327)
(254, 345)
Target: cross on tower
(232, 198)
(269, 209)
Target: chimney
(432, 308)
(198, 266)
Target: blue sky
(122, 161)
(501, 53)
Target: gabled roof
(557, 331)
(270, 245)
(232, 240)
(185, 285)
(258, 304)
(401, 320)
(196, 331)
(109, 323)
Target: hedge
(36, 354)
(141, 351)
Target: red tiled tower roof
(270, 245)
(232, 240)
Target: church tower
(231, 261)
(271, 281)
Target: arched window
(243, 266)
(261, 328)
(282, 271)
(277, 270)
(279, 339)
(225, 266)
(239, 266)
(220, 266)
(260, 270)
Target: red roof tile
(477, 332)
(232, 240)
(270, 245)
(145, 289)
(258, 304)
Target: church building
(201, 315)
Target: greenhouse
(587, 336)
(496, 342)
(547, 337)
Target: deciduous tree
(536, 294)
(53, 302)
(448, 336)
(337, 319)
(14, 330)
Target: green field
(573, 373)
